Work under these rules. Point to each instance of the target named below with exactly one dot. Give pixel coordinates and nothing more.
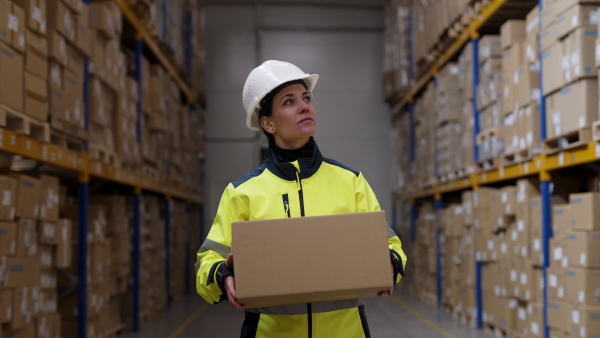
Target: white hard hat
(266, 77)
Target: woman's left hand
(388, 292)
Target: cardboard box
(512, 31)
(573, 107)
(84, 34)
(19, 272)
(49, 205)
(489, 46)
(48, 232)
(575, 17)
(36, 97)
(561, 219)
(27, 238)
(559, 315)
(22, 308)
(558, 257)
(35, 12)
(556, 283)
(104, 19)
(12, 25)
(61, 19)
(8, 239)
(583, 248)
(11, 77)
(548, 14)
(579, 54)
(76, 61)
(292, 276)
(584, 321)
(585, 211)
(582, 285)
(557, 334)
(551, 61)
(29, 194)
(36, 55)
(57, 48)
(6, 305)
(64, 249)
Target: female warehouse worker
(295, 181)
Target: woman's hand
(388, 292)
(230, 286)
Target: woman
(295, 181)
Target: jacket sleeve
(366, 201)
(217, 246)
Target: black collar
(309, 162)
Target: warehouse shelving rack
(85, 168)
(541, 165)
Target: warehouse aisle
(401, 316)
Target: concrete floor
(390, 317)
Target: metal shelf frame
(540, 166)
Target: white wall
(343, 46)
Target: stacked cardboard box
(198, 49)
(465, 148)
(424, 135)
(396, 67)
(125, 125)
(69, 43)
(35, 242)
(569, 32)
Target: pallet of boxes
(35, 246)
(108, 257)
(520, 89)
(570, 80)
(574, 273)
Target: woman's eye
(288, 102)
(307, 98)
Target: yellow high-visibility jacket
(309, 186)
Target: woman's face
(294, 117)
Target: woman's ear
(267, 124)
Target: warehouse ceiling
(340, 3)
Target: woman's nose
(303, 107)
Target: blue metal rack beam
(139, 49)
(167, 223)
(82, 254)
(546, 235)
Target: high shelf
(541, 166)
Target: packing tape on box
(575, 316)
(36, 14)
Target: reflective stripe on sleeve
(217, 247)
(391, 232)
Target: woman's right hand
(230, 286)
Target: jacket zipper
(309, 305)
(286, 205)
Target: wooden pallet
(23, 124)
(568, 141)
(520, 156)
(494, 330)
(67, 142)
(150, 172)
(69, 128)
(103, 155)
(489, 164)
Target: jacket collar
(287, 170)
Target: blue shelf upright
(438, 253)
(137, 194)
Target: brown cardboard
(583, 248)
(84, 33)
(27, 238)
(551, 61)
(12, 25)
(508, 197)
(48, 232)
(512, 31)
(585, 321)
(579, 47)
(535, 317)
(11, 77)
(561, 219)
(559, 315)
(76, 60)
(36, 97)
(6, 305)
(57, 48)
(558, 256)
(573, 107)
(35, 12)
(297, 275)
(49, 204)
(575, 17)
(103, 19)
(585, 211)
(29, 194)
(556, 283)
(61, 19)
(19, 272)
(46, 256)
(36, 55)
(8, 239)
(582, 286)
(548, 14)
(8, 189)
(22, 308)
(64, 249)
(489, 46)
